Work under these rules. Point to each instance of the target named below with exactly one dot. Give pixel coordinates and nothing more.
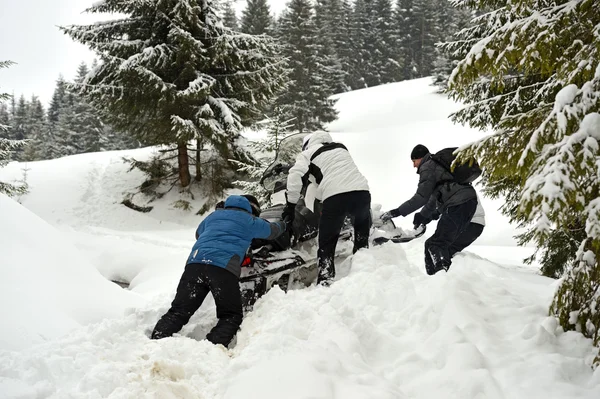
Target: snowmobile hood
(319, 138)
(237, 201)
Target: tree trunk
(198, 167)
(184, 164)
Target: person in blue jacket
(214, 265)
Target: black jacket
(436, 189)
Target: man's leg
(429, 266)
(191, 291)
(225, 288)
(361, 213)
(330, 225)
(450, 226)
(466, 238)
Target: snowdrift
(48, 287)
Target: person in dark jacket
(437, 191)
(214, 265)
(343, 191)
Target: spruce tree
(452, 21)
(267, 151)
(37, 130)
(256, 18)
(171, 72)
(536, 82)
(332, 18)
(59, 98)
(405, 38)
(306, 99)
(7, 146)
(386, 60)
(230, 19)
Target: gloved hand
(289, 211)
(420, 220)
(389, 215)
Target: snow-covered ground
(383, 330)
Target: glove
(389, 215)
(420, 220)
(289, 211)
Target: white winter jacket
(479, 216)
(332, 168)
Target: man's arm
(266, 230)
(429, 211)
(421, 197)
(295, 178)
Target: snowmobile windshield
(275, 178)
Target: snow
(384, 329)
(45, 293)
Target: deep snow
(383, 330)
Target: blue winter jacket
(223, 238)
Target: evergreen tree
(386, 60)
(425, 35)
(332, 18)
(306, 99)
(170, 72)
(541, 96)
(230, 19)
(361, 33)
(37, 130)
(405, 38)
(59, 98)
(256, 18)
(7, 146)
(267, 151)
(452, 20)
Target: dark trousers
(357, 205)
(452, 226)
(196, 282)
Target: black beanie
(419, 152)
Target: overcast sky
(29, 36)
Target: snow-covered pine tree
(451, 21)
(425, 35)
(37, 127)
(256, 18)
(306, 99)
(332, 18)
(230, 19)
(59, 97)
(405, 37)
(362, 38)
(542, 99)
(86, 123)
(386, 60)
(7, 146)
(171, 72)
(265, 152)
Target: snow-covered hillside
(384, 329)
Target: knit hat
(253, 204)
(419, 152)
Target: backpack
(464, 173)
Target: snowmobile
(290, 260)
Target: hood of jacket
(318, 138)
(237, 201)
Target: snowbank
(48, 288)
(385, 330)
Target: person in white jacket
(342, 189)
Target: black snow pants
(356, 204)
(195, 283)
(450, 229)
